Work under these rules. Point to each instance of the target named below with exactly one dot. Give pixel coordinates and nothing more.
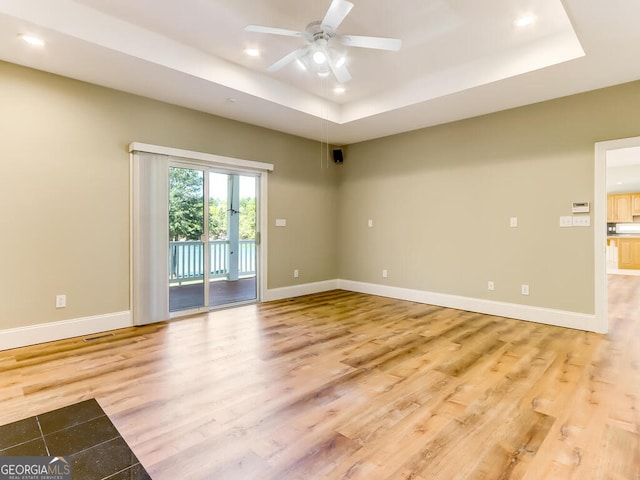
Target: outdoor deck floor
(221, 292)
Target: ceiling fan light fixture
(252, 52)
(317, 54)
(319, 57)
(323, 73)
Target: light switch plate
(582, 221)
(566, 221)
(513, 222)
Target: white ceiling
(459, 59)
(623, 170)
(623, 157)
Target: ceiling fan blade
(273, 31)
(379, 43)
(338, 10)
(340, 71)
(298, 53)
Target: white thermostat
(580, 207)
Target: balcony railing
(186, 260)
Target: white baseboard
(299, 290)
(560, 318)
(548, 316)
(48, 332)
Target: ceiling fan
(318, 35)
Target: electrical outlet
(370, 223)
(513, 222)
(296, 273)
(385, 274)
(490, 285)
(61, 301)
(525, 289)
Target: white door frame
(599, 222)
(207, 169)
(207, 160)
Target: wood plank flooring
(343, 385)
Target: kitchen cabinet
(635, 204)
(610, 212)
(619, 208)
(629, 253)
(612, 252)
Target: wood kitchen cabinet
(610, 209)
(629, 253)
(619, 207)
(635, 204)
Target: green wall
(441, 199)
(65, 195)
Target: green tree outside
(186, 204)
(186, 207)
(247, 218)
(217, 219)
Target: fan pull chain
(324, 126)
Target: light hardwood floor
(342, 385)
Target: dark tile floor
(83, 434)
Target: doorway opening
(605, 153)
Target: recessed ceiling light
(31, 40)
(252, 52)
(524, 21)
(339, 90)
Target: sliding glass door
(212, 238)
(186, 239)
(196, 220)
(232, 238)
